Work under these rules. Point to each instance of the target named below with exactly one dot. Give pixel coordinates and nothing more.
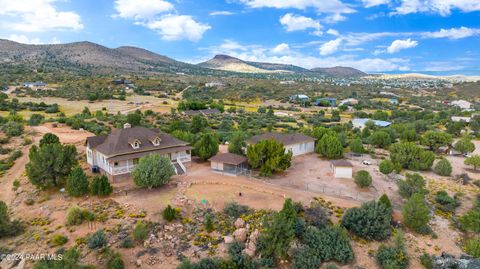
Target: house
(299, 98)
(341, 169)
(229, 163)
(459, 119)
(287, 82)
(38, 85)
(349, 101)
(393, 100)
(117, 154)
(204, 112)
(297, 143)
(214, 84)
(327, 101)
(465, 105)
(360, 123)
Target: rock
(138, 263)
(228, 239)
(239, 223)
(254, 236)
(240, 234)
(8, 263)
(20, 265)
(250, 252)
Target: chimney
(127, 125)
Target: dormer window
(156, 141)
(135, 143)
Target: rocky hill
(228, 63)
(339, 71)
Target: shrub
(140, 232)
(386, 167)
(97, 240)
(235, 210)
(414, 183)
(209, 223)
(363, 179)
(471, 221)
(416, 213)
(426, 260)
(385, 201)
(77, 182)
(100, 186)
(316, 215)
(127, 242)
(443, 167)
(305, 258)
(370, 221)
(115, 262)
(74, 216)
(58, 240)
(7, 226)
(170, 213)
(395, 256)
(153, 171)
(12, 128)
(472, 247)
(446, 203)
(330, 266)
(329, 243)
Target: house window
(135, 161)
(115, 164)
(156, 141)
(136, 145)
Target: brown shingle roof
(229, 158)
(342, 163)
(94, 141)
(286, 139)
(117, 142)
(145, 153)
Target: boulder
(240, 234)
(239, 223)
(228, 239)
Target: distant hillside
(339, 71)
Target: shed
(229, 163)
(342, 169)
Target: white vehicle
(365, 162)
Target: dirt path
(180, 94)
(7, 194)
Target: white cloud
(293, 22)
(145, 9)
(36, 16)
(399, 45)
(177, 27)
(373, 3)
(330, 47)
(442, 7)
(453, 33)
(334, 18)
(221, 13)
(321, 6)
(24, 39)
(282, 49)
(333, 32)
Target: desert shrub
(70, 260)
(472, 247)
(445, 202)
(127, 242)
(115, 262)
(77, 182)
(386, 167)
(140, 232)
(12, 128)
(35, 119)
(330, 266)
(471, 221)
(305, 258)
(170, 213)
(240, 260)
(416, 213)
(393, 257)
(385, 201)
(363, 179)
(235, 210)
(97, 240)
(316, 215)
(426, 260)
(443, 167)
(74, 216)
(100, 186)
(58, 240)
(208, 223)
(370, 221)
(153, 171)
(329, 243)
(7, 226)
(414, 183)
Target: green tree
(35, 119)
(199, 123)
(464, 145)
(236, 142)
(320, 131)
(363, 179)
(206, 146)
(370, 221)
(279, 232)
(410, 156)
(473, 160)
(416, 213)
(356, 146)
(170, 213)
(115, 262)
(50, 164)
(12, 128)
(330, 147)
(134, 118)
(140, 232)
(386, 167)
(385, 201)
(77, 182)
(269, 156)
(48, 139)
(380, 139)
(395, 256)
(153, 171)
(8, 227)
(435, 140)
(414, 183)
(443, 167)
(101, 186)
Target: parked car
(365, 162)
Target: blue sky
(371, 35)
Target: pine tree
(77, 182)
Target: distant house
(214, 84)
(341, 169)
(360, 123)
(299, 98)
(326, 101)
(389, 95)
(38, 85)
(117, 154)
(204, 112)
(229, 163)
(465, 105)
(126, 82)
(459, 119)
(393, 101)
(349, 101)
(287, 82)
(297, 143)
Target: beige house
(342, 169)
(117, 154)
(298, 144)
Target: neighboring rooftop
(229, 158)
(341, 163)
(286, 139)
(204, 112)
(363, 121)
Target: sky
(440, 36)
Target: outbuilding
(342, 169)
(229, 163)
